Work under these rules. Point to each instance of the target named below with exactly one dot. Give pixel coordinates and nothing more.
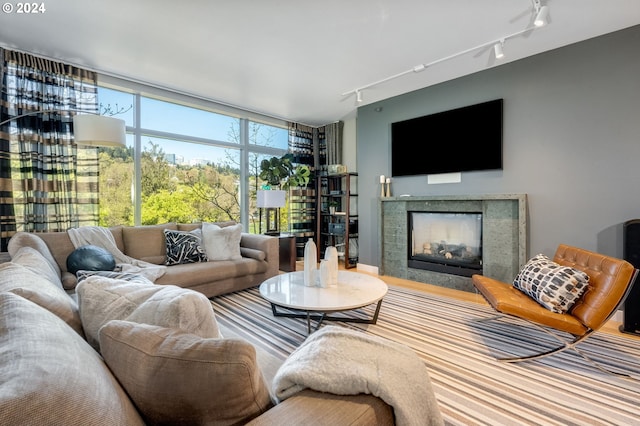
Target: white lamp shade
(271, 199)
(98, 130)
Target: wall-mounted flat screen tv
(457, 140)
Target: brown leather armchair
(610, 280)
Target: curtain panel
(333, 139)
(47, 183)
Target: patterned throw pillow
(554, 286)
(184, 247)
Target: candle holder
(382, 183)
(388, 187)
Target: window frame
(245, 147)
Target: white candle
(381, 178)
(388, 180)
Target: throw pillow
(51, 376)
(102, 299)
(554, 286)
(184, 247)
(35, 287)
(222, 243)
(90, 258)
(174, 377)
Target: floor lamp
(271, 201)
(89, 129)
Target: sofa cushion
(51, 376)
(184, 247)
(554, 286)
(25, 239)
(198, 225)
(25, 282)
(222, 243)
(103, 299)
(33, 260)
(146, 242)
(175, 377)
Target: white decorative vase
(310, 263)
(331, 255)
(325, 273)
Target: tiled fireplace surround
(504, 235)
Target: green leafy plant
(282, 172)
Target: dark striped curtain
(333, 139)
(302, 220)
(47, 183)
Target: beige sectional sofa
(259, 260)
(117, 351)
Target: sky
(173, 118)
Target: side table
(288, 255)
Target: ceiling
(295, 59)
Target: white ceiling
(294, 59)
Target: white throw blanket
(348, 362)
(102, 237)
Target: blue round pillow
(90, 258)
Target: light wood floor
(610, 327)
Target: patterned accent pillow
(554, 286)
(184, 247)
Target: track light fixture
(497, 50)
(540, 16)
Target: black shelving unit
(339, 227)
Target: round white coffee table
(354, 290)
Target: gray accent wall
(571, 143)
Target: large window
(182, 162)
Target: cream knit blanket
(102, 237)
(348, 362)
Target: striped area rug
(473, 388)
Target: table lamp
(271, 201)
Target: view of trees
(170, 193)
(174, 192)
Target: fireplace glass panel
(446, 242)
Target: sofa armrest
(252, 253)
(269, 245)
(318, 408)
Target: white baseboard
(367, 268)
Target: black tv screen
(458, 140)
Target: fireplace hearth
(502, 248)
(447, 242)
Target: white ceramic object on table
(325, 273)
(310, 263)
(331, 255)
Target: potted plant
(332, 206)
(281, 172)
